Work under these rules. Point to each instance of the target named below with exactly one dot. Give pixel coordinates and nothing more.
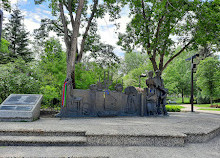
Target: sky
(34, 13)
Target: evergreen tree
(17, 36)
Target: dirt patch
(48, 113)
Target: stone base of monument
(82, 138)
(177, 130)
(21, 107)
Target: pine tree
(16, 34)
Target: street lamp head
(192, 57)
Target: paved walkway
(196, 109)
(200, 150)
(175, 124)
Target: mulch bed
(48, 113)
(215, 106)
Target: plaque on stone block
(21, 107)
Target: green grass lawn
(179, 100)
(205, 105)
(186, 100)
(202, 105)
(213, 109)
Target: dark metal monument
(99, 101)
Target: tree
(79, 15)
(17, 36)
(4, 52)
(52, 70)
(103, 56)
(5, 4)
(158, 27)
(133, 60)
(177, 76)
(133, 76)
(208, 77)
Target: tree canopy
(79, 15)
(5, 4)
(208, 77)
(4, 52)
(158, 27)
(177, 75)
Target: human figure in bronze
(161, 94)
(151, 95)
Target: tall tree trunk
(71, 45)
(211, 100)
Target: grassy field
(213, 109)
(202, 105)
(179, 100)
(206, 105)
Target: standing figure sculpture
(151, 95)
(161, 94)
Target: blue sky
(34, 13)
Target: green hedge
(173, 108)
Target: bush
(18, 77)
(173, 108)
(202, 99)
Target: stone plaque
(21, 107)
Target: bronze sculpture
(100, 101)
(161, 94)
(151, 95)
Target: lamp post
(193, 68)
(1, 19)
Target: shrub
(202, 99)
(173, 108)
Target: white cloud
(14, 2)
(108, 31)
(31, 25)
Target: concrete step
(21, 132)
(135, 140)
(40, 137)
(42, 141)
